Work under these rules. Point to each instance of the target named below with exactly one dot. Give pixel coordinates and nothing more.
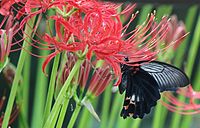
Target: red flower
(175, 34)
(6, 36)
(99, 81)
(102, 32)
(177, 31)
(186, 107)
(5, 6)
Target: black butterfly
(144, 83)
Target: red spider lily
(105, 39)
(102, 33)
(176, 32)
(6, 38)
(186, 107)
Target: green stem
(53, 122)
(164, 116)
(51, 87)
(84, 118)
(157, 115)
(23, 54)
(105, 106)
(74, 116)
(40, 94)
(26, 85)
(62, 93)
(62, 113)
(69, 94)
(24, 91)
(136, 123)
(115, 109)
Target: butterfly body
(143, 84)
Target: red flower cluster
(96, 27)
(188, 106)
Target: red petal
(48, 59)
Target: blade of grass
(196, 79)
(123, 122)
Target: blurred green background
(108, 105)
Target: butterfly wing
(168, 77)
(142, 92)
(144, 83)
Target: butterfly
(142, 85)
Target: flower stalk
(75, 115)
(23, 54)
(51, 88)
(62, 93)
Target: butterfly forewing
(168, 77)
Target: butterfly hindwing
(142, 92)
